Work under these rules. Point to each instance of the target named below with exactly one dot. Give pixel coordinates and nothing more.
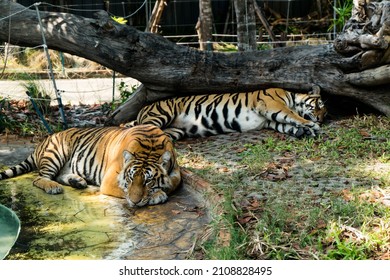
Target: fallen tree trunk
(167, 70)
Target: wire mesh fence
(177, 24)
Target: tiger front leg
(158, 197)
(289, 122)
(308, 129)
(48, 185)
(72, 180)
(280, 113)
(298, 132)
(50, 169)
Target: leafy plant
(263, 47)
(125, 92)
(38, 95)
(21, 124)
(5, 122)
(343, 10)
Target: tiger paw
(77, 182)
(49, 186)
(314, 131)
(54, 189)
(306, 132)
(315, 127)
(309, 132)
(158, 197)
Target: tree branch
(169, 70)
(372, 77)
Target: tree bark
(169, 70)
(260, 14)
(204, 26)
(246, 25)
(155, 18)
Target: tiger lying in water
(296, 114)
(138, 163)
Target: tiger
(138, 163)
(295, 114)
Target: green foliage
(5, 122)
(355, 229)
(263, 47)
(24, 126)
(343, 11)
(257, 156)
(38, 95)
(125, 92)
(228, 239)
(370, 137)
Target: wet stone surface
(82, 224)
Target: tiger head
(310, 106)
(148, 180)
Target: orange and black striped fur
(296, 114)
(137, 163)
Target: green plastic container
(9, 230)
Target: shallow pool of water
(82, 224)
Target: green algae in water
(81, 224)
(73, 225)
(9, 230)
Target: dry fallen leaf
(371, 196)
(224, 237)
(347, 195)
(245, 219)
(365, 134)
(240, 150)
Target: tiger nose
(135, 195)
(320, 118)
(135, 199)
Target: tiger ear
(127, 156)
(316, 90)
(165, 159)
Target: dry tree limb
(371, 77)
(366, 29)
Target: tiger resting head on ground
(295, 114)
(138, 164)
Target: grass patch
(322, 198)
(227, 239)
